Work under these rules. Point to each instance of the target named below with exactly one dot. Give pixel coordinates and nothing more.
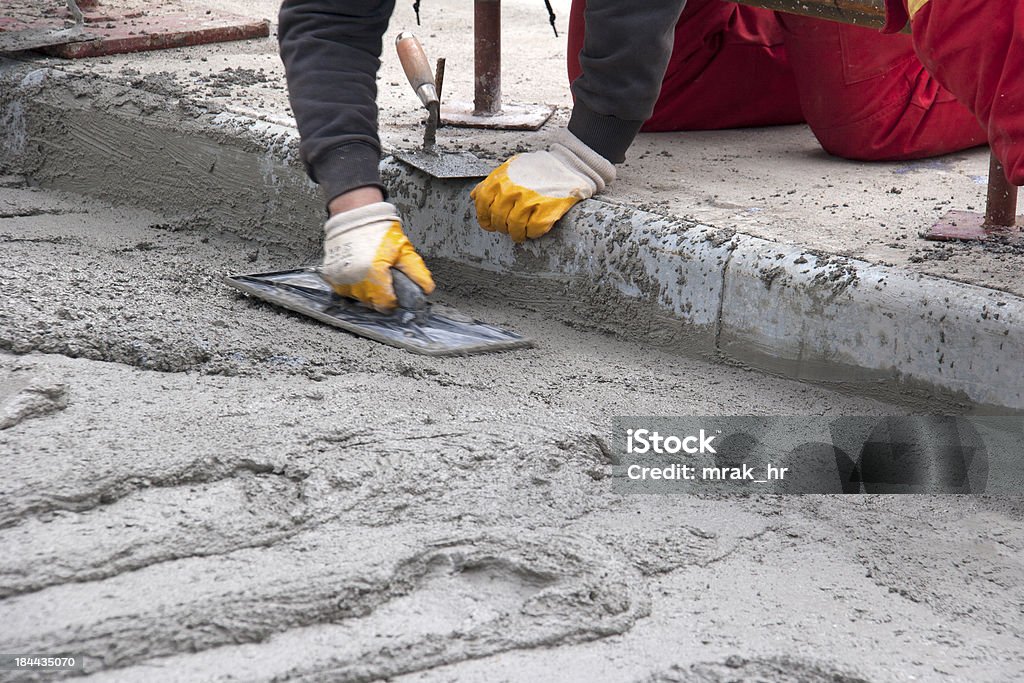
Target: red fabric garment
(976, 49)
(864, 94)
(728, 69)
(867, 96)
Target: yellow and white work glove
(528, 193)
(361, 247)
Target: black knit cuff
(608, 136)
(355, 164)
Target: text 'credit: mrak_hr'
(816, 454)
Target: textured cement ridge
(202, 487)
(667, 281)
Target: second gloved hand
(528, 193)
(360, 248)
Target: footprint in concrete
(446, 602)
(23, 399)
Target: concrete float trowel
(416, 325)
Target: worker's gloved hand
(360, 248)
(529, 192)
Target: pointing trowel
(428, 87)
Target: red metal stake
(487, 110)
(1000, 216)
(1001, 209)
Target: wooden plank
(867, 13)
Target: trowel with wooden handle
(428, 88)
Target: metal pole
(76, 13)
(1001, 209)
(487, 57)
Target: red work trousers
(976, 49)
(865, 94)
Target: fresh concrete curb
(222, 171)
(839, 319)
(669, 282)
(612, 267)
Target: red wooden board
(109, 30)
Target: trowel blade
(447, 164)
(439, 331)
(35, 38)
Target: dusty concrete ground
(774, 183)
(201, 487)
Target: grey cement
(668, 282)
(198, 486)
(772, 183)
(201, 487)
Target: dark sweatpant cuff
(345, 168)
(608, 136)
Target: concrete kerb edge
(839, 319)
(663, 280)
(611, 267)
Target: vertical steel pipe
(487, 57)
(75, 12)
(1001, 209)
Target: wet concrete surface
(774, 183)
(201, 487)
(662, 281)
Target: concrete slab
(653, 259)
(207, 485)
(215, 489)
(773, 183)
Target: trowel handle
(410, 296)
(417, 68)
